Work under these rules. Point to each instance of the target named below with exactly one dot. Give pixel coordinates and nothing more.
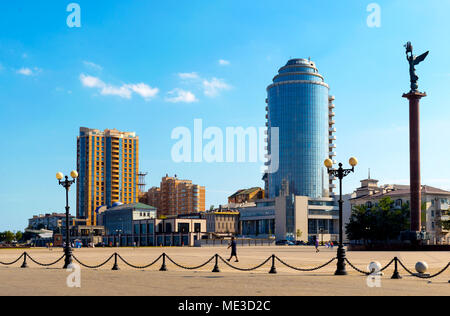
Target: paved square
(38, 280)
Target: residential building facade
(247, 195)
(53, 222)
(108, 167)
(435, 208)
(176, 196)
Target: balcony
(331, 114)
(332, 130)
(332, 137)
(332, 154)
(331, 145)
(331, 106)
(332, 122)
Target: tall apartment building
(108, 167)
(176, 196)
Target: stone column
(414, 143)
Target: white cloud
(213, 87)
(92, 65)
(25, 71)
(28, 71)
(91, 82)
(125, 91)
(179, 95)
(190, 75)
(224, 62)
(144, 90)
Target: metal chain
(355, 268)
(422, 276)
(241, 269)
(11, 263)
(45, 264)
(369, 273)
(92, 267)
(388, 265)
(139, 267)
(190, 268)
(305, 270)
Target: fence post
(396, 275)
(116, 266)
(216, 266)
(163, 267)
(273, 270)
(24, 264)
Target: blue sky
(124, 69)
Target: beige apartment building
(435, 201)
(176, 197)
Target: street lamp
(118, 232)
(66, 184)
(341, 173)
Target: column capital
(414, 95)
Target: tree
(446, 225)
(381, 222)
(8, 236)
(19, 236)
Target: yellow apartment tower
(108, 167)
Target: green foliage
(19, 236)
(446, 225)
(7, 236)
(382, 222)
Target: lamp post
(66, 184)
(341, 173)
(118, 232)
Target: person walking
(233, 246)
(317, 245)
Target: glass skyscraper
(298, 104)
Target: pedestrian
(317, 245)
(331, 244)
(233, 246)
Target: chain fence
(191, 268)
(243, 269)
(217, 257)
(139, 267)
(43, 264)
(11, 263)
(93, 267)
(306, 270)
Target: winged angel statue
(413, 61)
